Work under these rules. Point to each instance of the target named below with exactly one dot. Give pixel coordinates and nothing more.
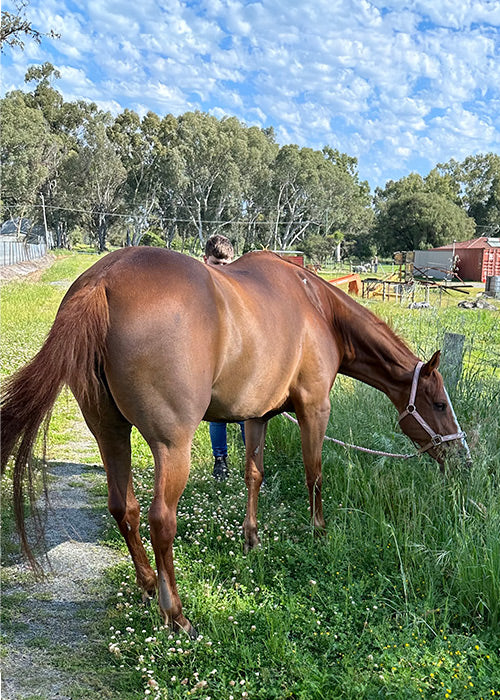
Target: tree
(319, 248)
(419, 220)
(137, 145)
(26, 154)
(64, 121)
(256, 173)
(95, 176)
(348, 211)
(15, 25)
(477, 179)
(481, 183)
(318, 192)
(205, 174)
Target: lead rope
(357, 447)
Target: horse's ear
(432, 364)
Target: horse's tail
(72, 354)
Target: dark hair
(219, 246)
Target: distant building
(473, 260)
(21, 240)
(25, 230)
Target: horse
(152, 338)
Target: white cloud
(385, 80)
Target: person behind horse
(219, 251)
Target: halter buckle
(436, 440)
(411, 408)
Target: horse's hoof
(320, 532)
(193, 632)
(248, 546)
(182, 624)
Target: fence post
(453, 353)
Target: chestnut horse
(155, 339)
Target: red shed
(479, 258)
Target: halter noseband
(411, 410)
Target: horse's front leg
(255, 437)
(313, 421)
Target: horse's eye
(440, 406)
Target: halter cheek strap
(411, 410)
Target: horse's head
(428, 418)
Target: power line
(169, 220)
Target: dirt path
(51, 621)
(31, 269)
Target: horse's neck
(374, 354)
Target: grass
(400, 599)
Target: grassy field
(401, 598)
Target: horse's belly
(242, 395)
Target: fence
(12, 252)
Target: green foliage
(319, 248)
(16, 27)
(478, 181)
(152, 238)
(189, 177)
(24, 148)
(410, 216)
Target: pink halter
(411, 410)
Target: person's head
(218, 250)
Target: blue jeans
(218, 437)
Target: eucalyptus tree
(136, 143)
(256, 175)
(480, 178)
(26, 154)
(206, 173)
(295, 176)
(65, 121)
(168, 166)
(317, 192)
(16, 28)
(346, 204)
(95, 176)
(410, 216)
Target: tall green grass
(399, 599)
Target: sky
(400, 85)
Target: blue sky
(399, 85)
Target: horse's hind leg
(112, 433)
(172, 469)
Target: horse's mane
(364, 333)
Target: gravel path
(47, 619)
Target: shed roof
(481, 242)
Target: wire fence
(13, 252)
